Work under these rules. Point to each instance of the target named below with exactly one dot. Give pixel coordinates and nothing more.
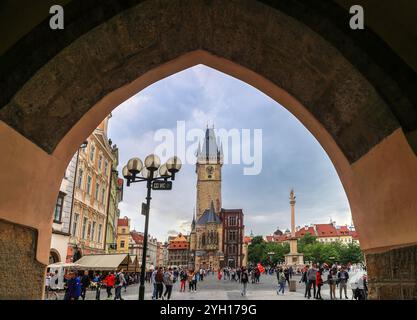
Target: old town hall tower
(206, 234)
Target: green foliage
(261, 251)
(267, 253)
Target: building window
(80, 178)
(97, 189)
(89, 230)
(122, 244)
(232, 221)
(58, 207)
(74, 226)
(232, 250)
(84, 227)
(99, 233)
(93, 229)
(92, 151)
(106, 165)
(123, 230)
(88, 184)
(100, 161)
(232, 235)
(103, 195)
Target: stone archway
(48, 117)
(54, 256)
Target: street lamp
(149, 173)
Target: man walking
(85, 283)
(168, 281)
(311, 280)
(120, 281)
(244, 280)
(342, 279)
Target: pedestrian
(183, 280)
(77, 287)
(287, 275)
(53, 284)
(168, 282)
(97, 281)
(219, 274)
(109, 281)
(201, 274)
(153, 281)
(331, 279)
(342, 279)
(244, 280)
(70, 290)
(319, 283)
(85, 283)
(119, 283)
(239, 273)
(159, 280)
(47, 284)
(291, 271)
(311, 281)
(281, 281)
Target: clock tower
(209, 175)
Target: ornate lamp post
(150, 176)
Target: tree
(257, 240)
(305, 240)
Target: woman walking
(183, 279)
(331, 279)
(319, 283)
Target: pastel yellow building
(123, 233)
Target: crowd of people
(162, 280)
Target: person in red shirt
(319, 283)
(109, 281)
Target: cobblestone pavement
(213, 289)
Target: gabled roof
(209, 216)
(303, 231)
(326, 230)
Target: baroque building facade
(92, 195)
(208, 242)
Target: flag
(261, 268)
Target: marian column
(292, 203)
(293, 258)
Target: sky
(199, 96)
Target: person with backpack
(311, 281)
(183, 279)
(168, 281)
(281, 281)
(120, 282)
(159, 280)
(342, 279)
(244, 279)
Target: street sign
(162, 185)
(144, 209)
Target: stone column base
(21, 275)
(393, 274)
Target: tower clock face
(210, 170)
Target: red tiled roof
(303, 231)
(138, 238)
(343, 231)
(247, 239)
(326, 230)
(179, 243)
(124, 222)
(270, 238)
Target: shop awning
(105, 262)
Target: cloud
(291, 156)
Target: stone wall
(21, 274)
(393, 274)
